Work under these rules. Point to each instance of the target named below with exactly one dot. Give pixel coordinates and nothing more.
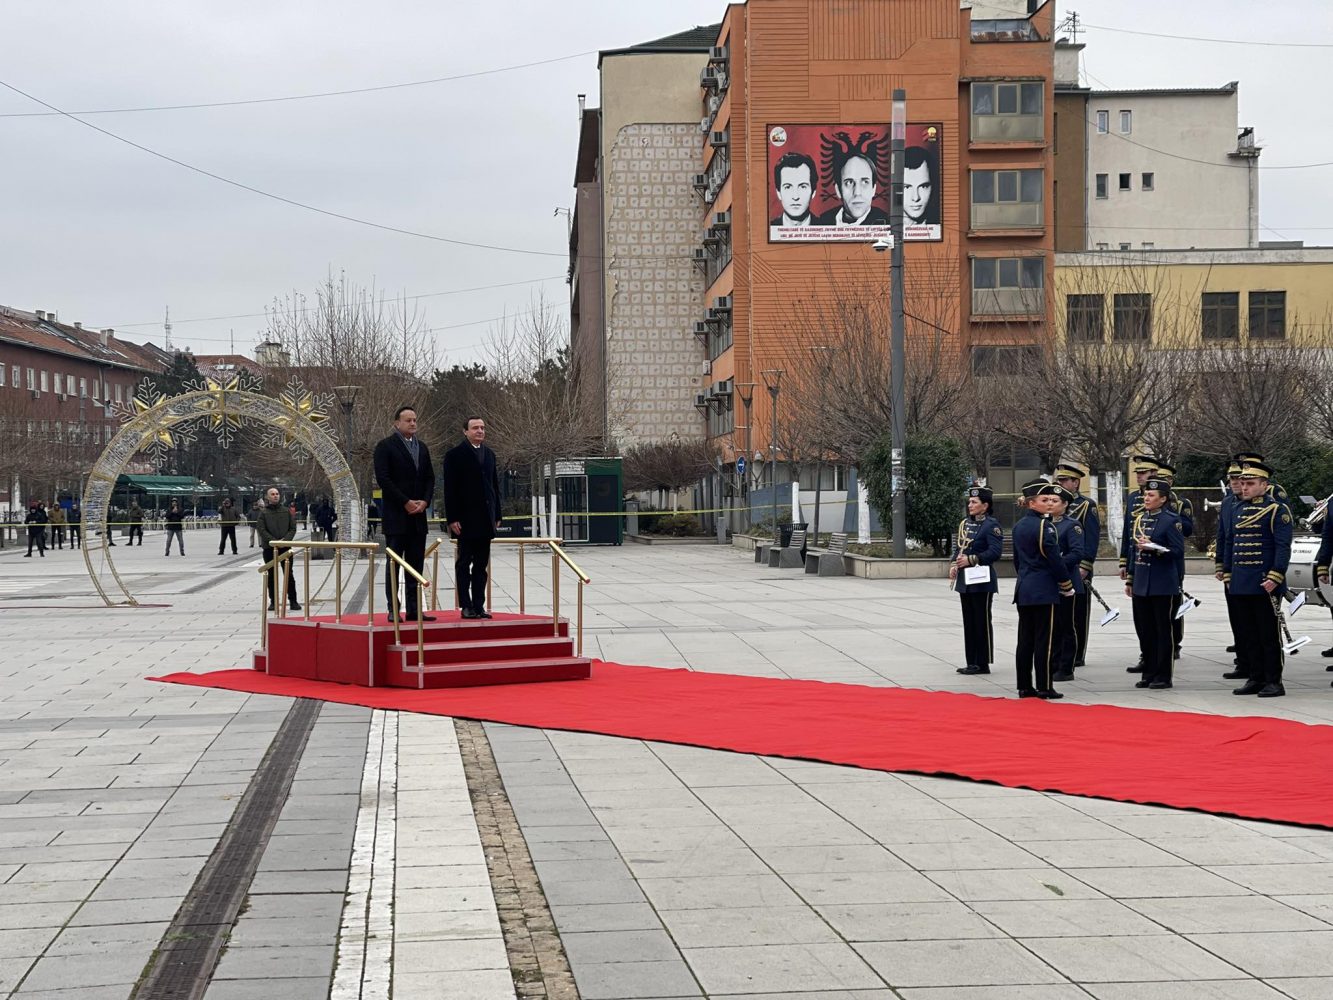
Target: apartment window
(1132, 316)
(1103, 185)
(1007, 112)
(1146, 182)
(45, 382)
(14, 376)
(721, 336)
(83, 388)
(1220, 315)
(989, 361)
(1103, 122)
(71, 385)
(1268, 315)
(1126, 122)
(721, 417)
(1103, 246)
(2, 376)
(1005, 199)
(1007, 285)
(1085, 317)
(1150, 246)
(96, 389)
(32, 379)
(1124, 246)
(1124, 182)
(119, 390)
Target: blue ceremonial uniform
(1221, 542)
(1184, 508)
(1132, 507)
(1043, 579)
(1084, 510)
(1258, 552)
(1154, 580)
(981, 539)
(1073, 543)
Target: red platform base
(506, 649)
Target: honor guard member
(1225, 515)
(1072, 542)
(1154, 581)
(1043, 584)
(978, 543)
(1084, 510)
(1183, 507)
(1255, 571)
(1274, 490)
(1143, 467)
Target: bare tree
(668, 466)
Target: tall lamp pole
(773, 380)
(897, 347)
(346, 395)
(746, 398)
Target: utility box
(590, 497)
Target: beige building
(647, 157)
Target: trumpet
(1316, 515)
(1212, 504)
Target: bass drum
(1300, 571)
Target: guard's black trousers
(1082, 619)
(978, 646)
(1036, 637)
(1242, 664)
(1259, 637)
(474, 556)
(1152, 622)
(1177, 624)
(1065, 642)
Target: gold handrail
(422, 582)
(433, 554)
(564, 556)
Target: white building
(1170, 169)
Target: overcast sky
(109, 235)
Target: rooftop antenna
(166, 328)
(232, 333)
(1072, 23)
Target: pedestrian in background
(228, 519)
(175, 527)
(276, 523)
(255, 511)
(58, 522)
(75, 519)
(135, 517)
(36, 522)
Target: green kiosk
(590, 500)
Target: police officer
(1043, 584)
(1072, 543)
(1084, 510)
(1225, 515)
(1255, 571)
(1153, 580)
(978, 542)
(1143, 467)
(1183, 507)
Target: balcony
(1005, 30)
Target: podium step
(481, 650)
(477, 673)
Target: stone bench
(829, 561)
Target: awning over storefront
(176, 486)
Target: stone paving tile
(1213, 989)
(911, 921)
(1140, 958)
(314, 988)
(1268, 954)
(1305, 988)
(490, 984)
(957, 963)
(1205, 914)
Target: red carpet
(1251, 767)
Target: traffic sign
(740, 466)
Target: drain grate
(183, 964)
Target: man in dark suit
(407, 480)
(472, 508)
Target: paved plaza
(473, 862)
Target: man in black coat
(407, 480)
(472, 508)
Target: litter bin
(785, 530)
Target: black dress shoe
(1136, 669)
(1327, 652)
(1063, 675)
(272, 608)
(483, 613)
(1159, 685)
(1049, 695)
(1250, 687)
(1079, 663)
(1142, 684)
(972, 668)
(1232, 649)
(1027, 693)
(1272, 691)
(1235, 675)
(293, 606)
(1177, 654)
(469, 613)
(1329, 667)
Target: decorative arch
(155, 422)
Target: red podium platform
(506, 649)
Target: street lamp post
(746, 399)
(346, 395)
(897, 337)
(773, 380)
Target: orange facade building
(815, 77)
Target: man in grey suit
(407, 480)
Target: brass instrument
(1212, 504)
(1317, 514)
